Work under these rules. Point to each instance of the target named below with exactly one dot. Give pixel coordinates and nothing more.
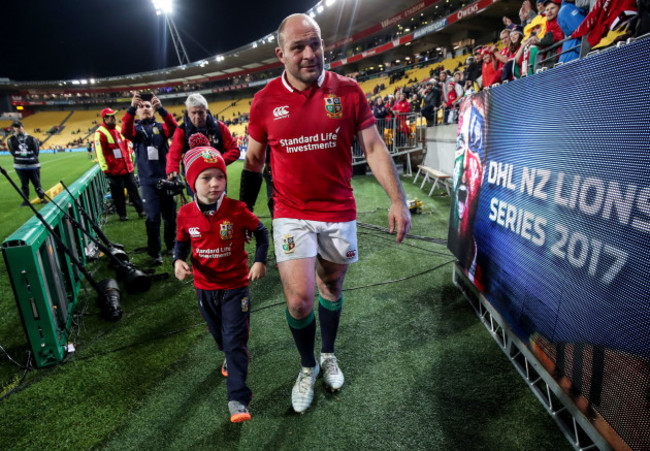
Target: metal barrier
(46, 284)
(403, 134)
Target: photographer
(150, 141)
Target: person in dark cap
(115, 160)
(24, 148)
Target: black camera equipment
(98, 231)
(146, 96)
(135, 280)
(173, 187)
(108, 293)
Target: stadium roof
(342, 23)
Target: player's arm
(251, 176)
(382, 166)
(258, 270)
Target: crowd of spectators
(539, 31)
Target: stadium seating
(81, 121)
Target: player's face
(551, 11)
(198, 116)
(210, 185)
(145, 110)
(301, 52)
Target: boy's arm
(258, 270)
(181, 251)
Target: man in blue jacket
(150, 142)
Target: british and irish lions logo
(288, 245)
(333, 106)
(225, 230)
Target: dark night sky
(72, 39)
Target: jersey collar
(291, 89)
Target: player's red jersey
(310, 133)
(219, 260)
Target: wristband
(249, 188)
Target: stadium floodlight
(329, 3)
(164, 7)
(320, 9)
(312, 14)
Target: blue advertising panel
(551, 221)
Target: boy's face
(210, 185)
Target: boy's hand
(258, 270)
(181, 269)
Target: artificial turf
(421, 371)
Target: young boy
(214, 226)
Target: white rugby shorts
(297, 238)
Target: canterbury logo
(281, 111)
(194, 232)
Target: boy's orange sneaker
(238, 412)
(224, 369)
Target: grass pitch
(421, 371)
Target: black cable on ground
(408, 235)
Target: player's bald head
(303, 19)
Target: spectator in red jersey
(553, 32)
(199, 119)
(502, 56)
(401, 109)
(309, 117)
(490, 74)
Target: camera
(146, 96)
(172, 187)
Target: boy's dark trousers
(227, 313)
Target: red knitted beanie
(199, 159)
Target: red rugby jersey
(219, 260)
(310, 133)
